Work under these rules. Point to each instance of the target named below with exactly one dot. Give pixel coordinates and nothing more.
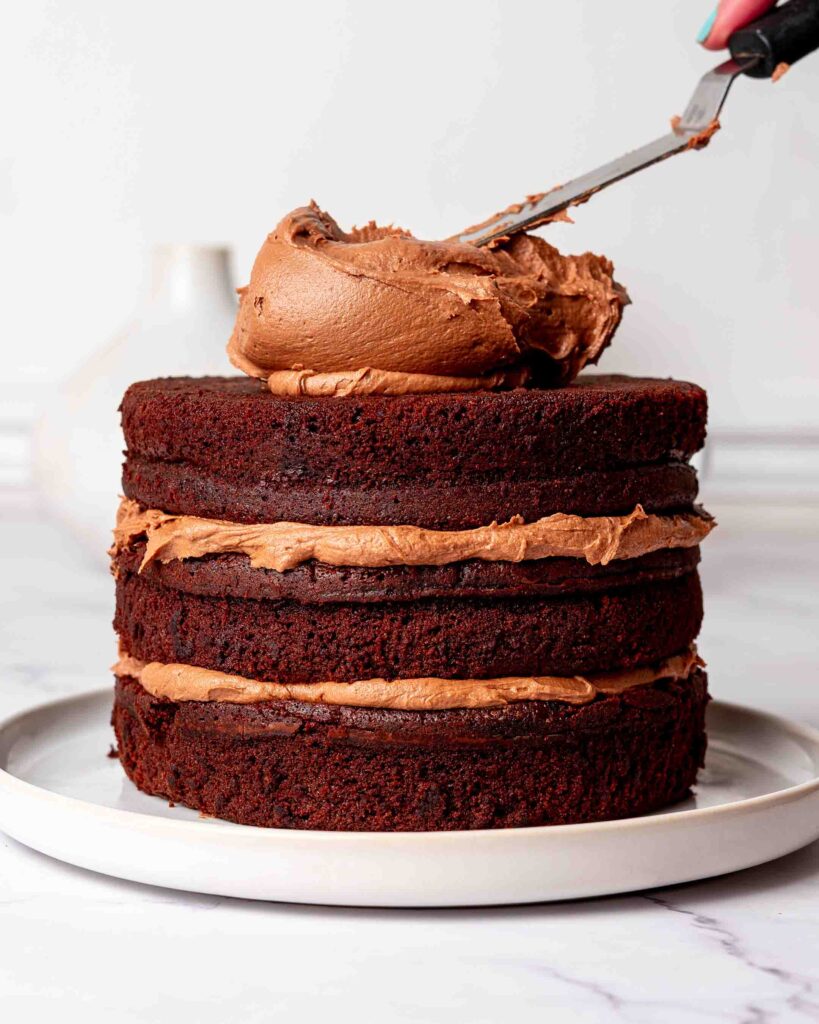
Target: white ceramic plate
(757, 799)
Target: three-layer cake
(412, 589)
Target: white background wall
(128, 124)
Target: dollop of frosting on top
(323, 306)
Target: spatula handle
(786, 35)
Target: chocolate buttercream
(701, 139)
(384, 382)
(282, 546)
(376, 302)
(178, 682)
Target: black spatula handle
(786, 35)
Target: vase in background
(180, 327)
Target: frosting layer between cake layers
(179, 682)
(283, 546)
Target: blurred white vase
(180, 327)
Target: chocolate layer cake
(396, 604)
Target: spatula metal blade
(691, 131)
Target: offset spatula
(777, 40)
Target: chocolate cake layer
(217, 432)
(315, 583)
(448, 637)
(291, 765)
(183, 488)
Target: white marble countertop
(80, 946)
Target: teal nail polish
(705, 31)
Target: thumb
(727, 18)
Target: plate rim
(232, 832)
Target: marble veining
(799, 991)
